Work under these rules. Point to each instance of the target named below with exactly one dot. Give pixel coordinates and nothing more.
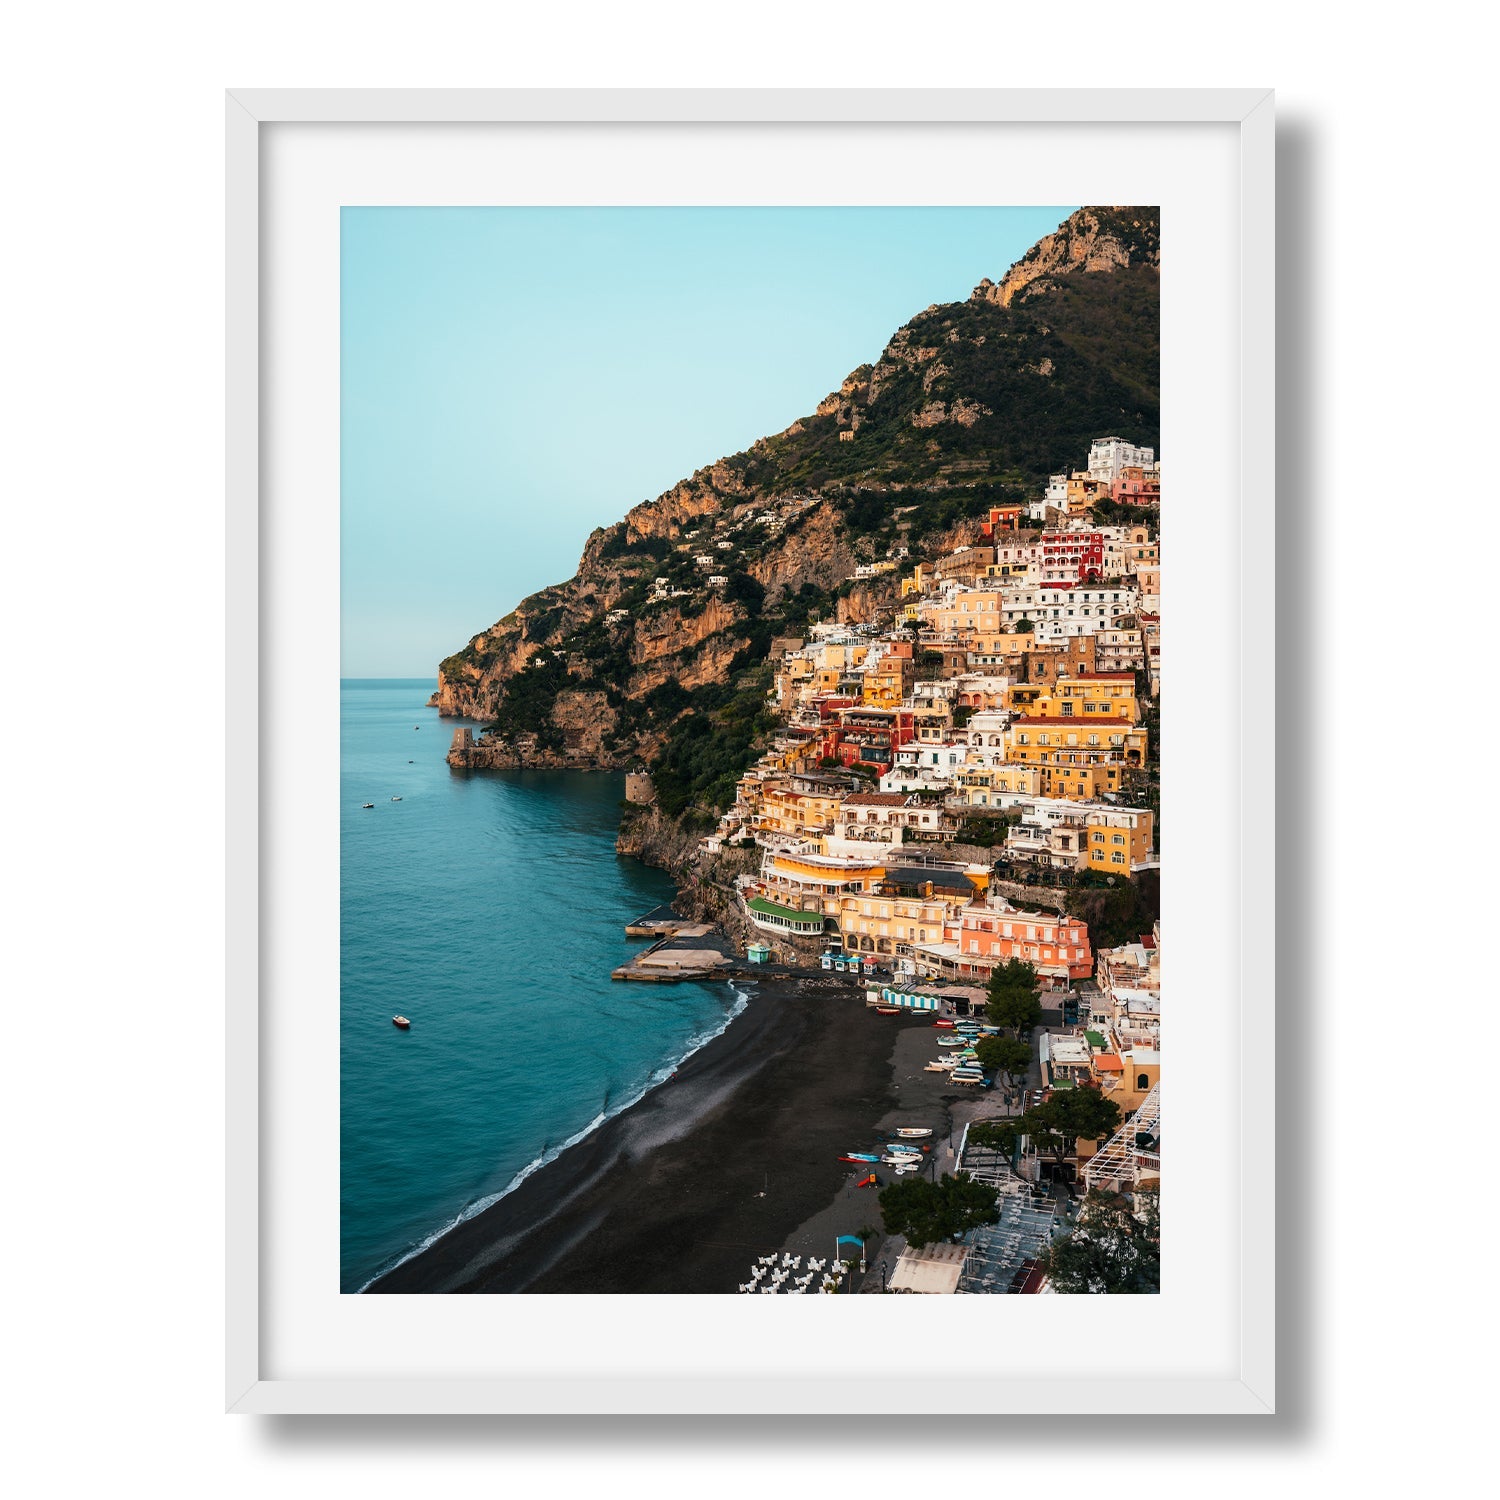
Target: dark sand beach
(720, 1164)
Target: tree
(1057, 1125)
(1012, 997)
(1018, 1009)
(1005, 1054)
(747, 590)
(1013, 974)
(928, 1212)
(996, 1135)
(1115, 1248)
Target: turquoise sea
(489, 908)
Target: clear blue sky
(514, 377)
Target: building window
(1142, 1081)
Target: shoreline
(719, 1163)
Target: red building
(870, 735)
(1082, 552)
(1002, 518)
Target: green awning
(1063, 1083)
(1094, 1039)
(764, 908)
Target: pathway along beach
(717, 1165)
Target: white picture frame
(257, 1383)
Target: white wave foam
(696, 1043)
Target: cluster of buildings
(1007, 687)
(1004, 685)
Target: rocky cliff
(639, 657)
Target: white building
(1107, 456)
(1059, 610)
(924, 767)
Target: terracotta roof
(876, 799)
(1107, 1062)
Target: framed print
(715, 816)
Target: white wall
(114, 476)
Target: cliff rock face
(654, 650)
(1093, 239)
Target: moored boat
(401, 1022)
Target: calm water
(488, 907)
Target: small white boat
(914, 1132)
(395, 799)
(401, 1023)
(367, 804)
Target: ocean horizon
(489, 908)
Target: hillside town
(946, 775)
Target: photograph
(749, 750)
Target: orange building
(1059, 742)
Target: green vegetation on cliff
(970, 404)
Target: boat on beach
(860, 1156)
(401, 1023)
(887, 1010)
(914, 1132)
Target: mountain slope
(970, 403)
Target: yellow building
(984, 786)
(817, 882)
(1087, 695)
(1083, 491)
(1079, 780)
(877, 923)
(969, 612)
(792, 677)
(916, 585)
(887, 684)
(1060, 742)
(794, 814)
(1119, 839)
